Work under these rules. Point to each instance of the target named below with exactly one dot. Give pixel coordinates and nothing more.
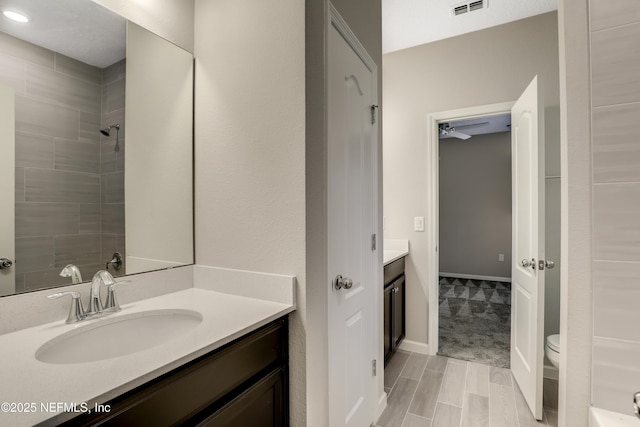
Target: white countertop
(23, 379)
(394, 249)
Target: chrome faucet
(72, 271)
(96, 309)
(95, 303)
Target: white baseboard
(550, 372)
(382, 404)
(476, 277)
(414, 346)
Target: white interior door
(527, 274)
(351, 180)
(7, 199)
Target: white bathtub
(603, 418)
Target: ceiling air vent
(459, 10)
(469, 7)
(475, 5)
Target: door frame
(433, 201)
(378, 396)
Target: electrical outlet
(500, 257)
(418, 223)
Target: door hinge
(374, 244)
(374, 367)
(373, 114)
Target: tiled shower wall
(615, 81)
(112, 162)
(58, 163)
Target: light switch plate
(418, 223)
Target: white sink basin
(118, 336)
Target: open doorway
(474, 300)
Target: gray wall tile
(77, 156)
(20, 285)
(616, 152)
(61, 186)
(616, 298)
(46, 119)
(34, 253)
(12, 73)
(114, 72)
(46, 219)
(26, 51)
(89, 127)
(90, 219)
(114, 187)
(113, 219)
(19, 184)
(80, 249)
(607, 13)
(56, 88)
(34, 151)
(615, 65)
(615, 374)
(616, 230)
(116, 95)
(77, 69)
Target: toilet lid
(553, 341)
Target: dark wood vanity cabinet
(244, 383)
(394, 307)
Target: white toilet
(552, 349)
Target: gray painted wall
(475, 205)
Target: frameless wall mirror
(96, 146)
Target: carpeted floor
(475, 320)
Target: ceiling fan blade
(472, 125)
(459, 135)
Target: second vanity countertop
(25, 380)
(394, 249)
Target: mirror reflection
(96, 145)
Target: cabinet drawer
(259, 406)
(181, 394)
(393, 270)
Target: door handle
(342, 282)
(528, 263)
(5, 263)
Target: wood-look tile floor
(436, 391)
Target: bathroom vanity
(394, 296)
(243, 383)
(217, 355)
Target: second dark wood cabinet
(394, 307)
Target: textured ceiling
(408, 23)
(80, 29)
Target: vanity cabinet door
(398, 311)
(262, 405)
(387, 322)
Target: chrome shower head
(107, 131)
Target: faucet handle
(112, 304)
(76, 311)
